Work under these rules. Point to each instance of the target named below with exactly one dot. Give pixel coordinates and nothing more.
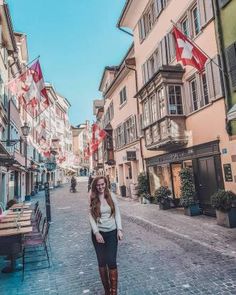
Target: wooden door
(207, 183)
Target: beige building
(122, 146)
(81, 137)
(183, 112)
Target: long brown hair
(95, 201)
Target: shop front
(205, 162)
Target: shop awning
(232, 113)
(5, 157)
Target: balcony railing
(166, 134)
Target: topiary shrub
(143, 185)
(223, 200)
(188, 192)
(162, 195)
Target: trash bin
(123, 190)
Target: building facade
(122, 149)
(183, 111)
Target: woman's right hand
(99, 238)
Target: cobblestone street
(152, 259)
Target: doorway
(175, 170)
(207, 183)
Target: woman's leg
(101, 257)
(111, 254)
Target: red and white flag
(187, 52)
(30, 90)
(98, 135)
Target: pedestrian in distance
(105, 221)
(73, 184)
(90, 180)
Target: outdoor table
(19, 206)
(15, 213)
(11, 244)
(5, 225)
(13, 218)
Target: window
(146, 113)
(130, 130)
(205, 89)
(119, 136)
(153, 108)
(194, 94)
(123, 96)
(151, 66)
(195, 21)
(148, 136)
(162, 103)
(175, 100)
(185, 27)
(231, 61)
(148, 19)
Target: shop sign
(131, 155)
(99, 165)
(228, 172)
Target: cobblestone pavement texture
(153, 258)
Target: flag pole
(226, 74)
(26, 66)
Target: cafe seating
(35, 243)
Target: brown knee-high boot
(105, 280)
(113, 275)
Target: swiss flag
(30, 90)
(98, 135)
(187, 52)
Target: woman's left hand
(120, 235)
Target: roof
(120, 67)
(107, 68)
(123, 12)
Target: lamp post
(25, 129)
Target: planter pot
(144, 200)
(164, 206)
(226, 219)
(193, 210)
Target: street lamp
(25, 129)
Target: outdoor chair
(36, 230)
(36, 206)
(34, 243)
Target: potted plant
(143, 188)
(225, 204)
(188, 193)
(162, 195)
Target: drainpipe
(138, 112)
(220, 45)
(136, 85)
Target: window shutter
(231, 61)
(209, 10)
(146, 72)
(163, 52)
(217, 77)
(201, 7)
(143, 73)
(210, 81)
(187, 99)
(170, 46)
(141, 29)
(205, 11)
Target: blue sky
(75, 39)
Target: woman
(106, 227)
